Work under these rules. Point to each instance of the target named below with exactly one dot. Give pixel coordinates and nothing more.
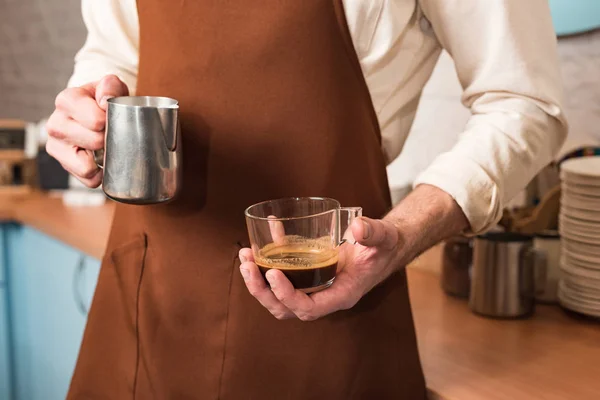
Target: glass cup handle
(347, 215)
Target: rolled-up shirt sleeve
(112, 42)
(506, 60)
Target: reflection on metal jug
(142, 156)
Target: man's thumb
(110, 86)
(375, 233)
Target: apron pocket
(119, 317)
(128, 263)
(108, 360)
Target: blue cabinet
(5, 377)
(50, 289)
(5, 371)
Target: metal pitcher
(142, 154)
(507, 274)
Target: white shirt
(505, 56)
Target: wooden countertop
(551, 356)
(83, 227)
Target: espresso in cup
(306, 263)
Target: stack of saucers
(579, 287)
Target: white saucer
(566, 303)
(580, 237)
(577, 247)
(578, 194)
(579, 229)
(579, 213)
(575, 296)
(582, 258)
(588, 167)
(591, 205)
(592, 183)
(579, 223)
(582, 190)
(582, 270)
(580, 276)
(585, 293)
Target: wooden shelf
(12, 156)
(12, 124)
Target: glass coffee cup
(301, 237)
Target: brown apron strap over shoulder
(273, 104)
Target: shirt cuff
(471, 187)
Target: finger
(343, 294)
(277, 230)
(93, 182)
(80, 105)
(108, 87)
(78, 162)
(60, 127)
(375, 233)
(246, 255)
(294, 300)
(258, 288)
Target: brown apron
(273, 104)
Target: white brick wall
(38, 39)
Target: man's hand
(384, 246)
(76, 127)
(363, 265)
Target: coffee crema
(307, 263)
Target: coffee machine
(17, 171)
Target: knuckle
(97, 142)
(85, 182)
(306, 317)
(254, 291)
(97, 123)
(114, 84)
(76, 92)
(94, 183)
(348, 303)
(53, 126)
(55, 133)
(50, 149)
(61, 99)
(380, 232)
(87, 172)
(279, 315)
(51, 121)
(283, 297)
(111, 79)
(67, 96)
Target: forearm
(424, 218)
(111, 46)
(505, 58)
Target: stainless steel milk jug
(142, 153)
